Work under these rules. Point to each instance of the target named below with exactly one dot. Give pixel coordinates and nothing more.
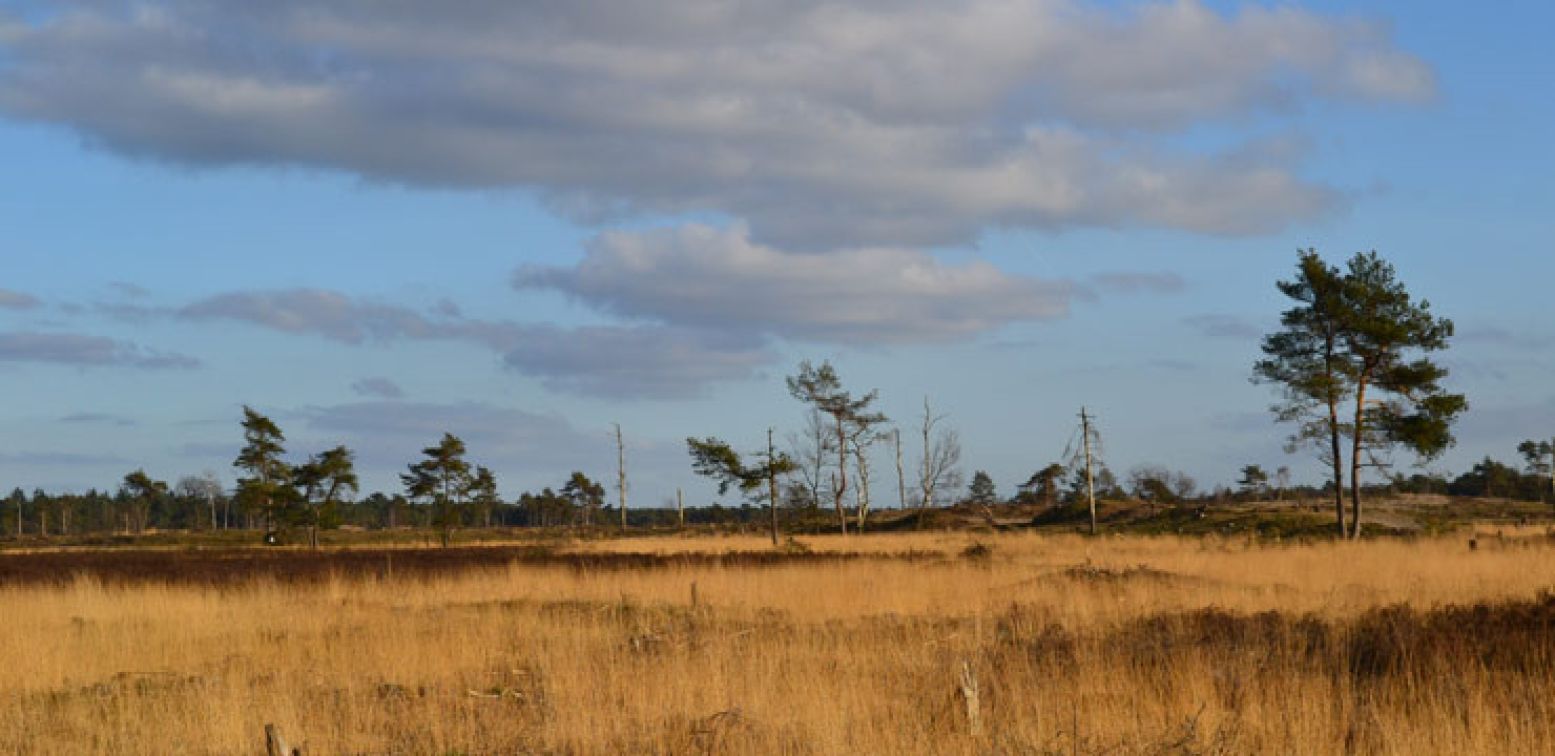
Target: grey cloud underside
(16, 300)
(387, 434)
(631, 361)
(1221, 326)
(59, 459)
(702, 277)
(82, 350)
(98, 418)
(381, 388)
(822, 125)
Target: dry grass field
(839, 646)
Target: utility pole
(621, 473)
(1090, 480)
(772, 487)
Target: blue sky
(377, 226)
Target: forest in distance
(1351, 366)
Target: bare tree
(811, 450)
(938, 469)
(862, 466)
(901, 478)
(206, 487)
(621, 473)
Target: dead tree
(621, 474)
(941, 455)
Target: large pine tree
(1357, 337)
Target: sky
(377, 222)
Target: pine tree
(443, 481)
(1358, 336)
(265, 489)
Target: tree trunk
(1090, 481)
(772, 487)
(862, 494)
(1356, 447)
(621, 472)
(901, 479)
(840, 480)
(1338, 462)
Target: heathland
(916, 642)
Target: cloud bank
(822, 125)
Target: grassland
(706, 644)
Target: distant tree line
(1351, 361)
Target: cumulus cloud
(84, 350)
(704, 277)
(821, 124)
(16, 300)
(381, 388)
(612, 361)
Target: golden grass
(1079, 645)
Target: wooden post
(275, 743)
(974, 704)
(680, 507)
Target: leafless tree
(812, 449)
(938, 469)
(860, 441)
(206, 487)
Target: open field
(679, 644)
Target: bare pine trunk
(772, 487)
(621, 473)
(901, 480)
(1090, 483)
(840, 480)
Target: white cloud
(704, 277)
(820, 124)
